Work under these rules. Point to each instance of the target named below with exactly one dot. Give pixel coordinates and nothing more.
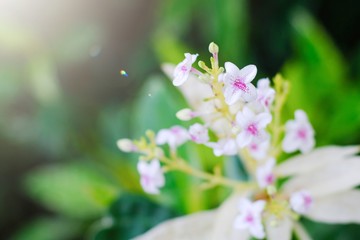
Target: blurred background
(64, 103)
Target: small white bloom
(252, 126)
(265, 94)
(152, 177)
(174, 136)
(198, 133)
(299, 134)
(238, 83)
(258, 148)
(225, 146)
(250, 217)
(301, 201)
(126, 145)
(182, 70)
(265, 175)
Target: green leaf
(77, 189)
(49, 228)
(130, 216)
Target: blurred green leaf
(319, 70)
(49, 228)
(75, 189)
(129, 216)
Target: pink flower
(252, 126)
(224, 147)
(299, 134)
(152, 177)
(183, 69)
(198, 133)
(238, 83)
(174, 136)
(301, 201)
(264, 174)
(250, 217)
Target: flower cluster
(246, 121)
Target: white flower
(238, 83)
(301, 201)
(299, 134)
(198, 133)
(265, 94)
(225, 146)
(264, 173)
(152, 177)
(174, 136)
(252, 126)
(182, 70)
(250, 217)
(258, 148)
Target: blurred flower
(198, 133)
(152, 177)
(264, 173)
(301, 201)
(174, 136)
(250, 217)
(252, 126)
(299, 134)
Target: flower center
(146, 179)
(239, 84)
(269, 179)
(252, 129)
(184, 68)
(249, 218)
(307, 201)
(302, 133)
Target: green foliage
(319, 83)
(49, 228)
(77, 190)
(129, 216)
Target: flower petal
(281, 231)
(331, 179)
(192, 227)
(231, 68)
(338, 208)
(315, 159)
(248, 73)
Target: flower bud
(126, 145)
(185, 114)
(213, 48)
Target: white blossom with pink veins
(199, 133)
(238, 83)
(250, 217)
(264, 174)
(183, 69)
(252, 126)
(301, 201)
(299, 134)
(174, 136)
(225, 146)
(151, 176)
